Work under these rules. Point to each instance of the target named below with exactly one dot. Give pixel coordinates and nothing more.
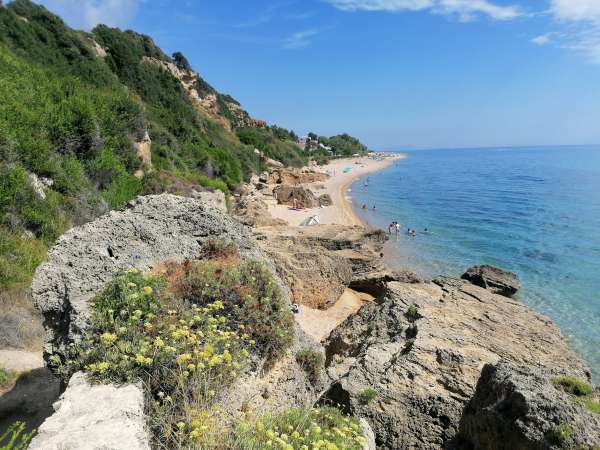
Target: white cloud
(87, 14)
(301, 39)
(580, 26)
(464, 10)
(576, 10)
(543, 39)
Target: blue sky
(395, 73)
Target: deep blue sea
(535, 211)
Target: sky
(395, 73)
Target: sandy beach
(340, 212)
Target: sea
(531, 210)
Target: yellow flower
(131, 285)
(181, 359)
(148, 326)
(108, 338)
(148, 290)
(159, 343)
(180, 425)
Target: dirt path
(320, 323)
(21, 360)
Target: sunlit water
(535, 211)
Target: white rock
(95, 417)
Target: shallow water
(535, 211)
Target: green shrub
(6, 377)
(311, 361)
(186, 333)
(408, 345)
(560, 434)
(412, 313)
(15, 437)
(367, 396)
(573, 386)
(19, 257)
(251, 296)
(295, 429)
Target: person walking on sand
(397, 228)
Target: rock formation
(295, 196)
(421, 349)
(91, 417)
(150, 230)
(295, 177)
(517, 408)
(496, 280)
(319, 262)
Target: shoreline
(341, 212)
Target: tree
(181, 61)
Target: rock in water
(92, 417)
(520, 409)
(494, 279)
(151, 230)
(410, 362)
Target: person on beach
(397, 228)
(373, 207)
(364, 206)
(295, 309)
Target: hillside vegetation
(73, 107)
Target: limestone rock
(520, 409)
(319, 262)
(295, 195)
(295, 177)
(255, 213)
(86, 258)
(95, 417)
(496, 280)
(325, 200)
(424, 362)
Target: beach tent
(347, 169)
(309, 221)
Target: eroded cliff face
(222, 109)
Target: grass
(582, 392)
(296, 429)
(20, 324)
(15, 437)
(573, 386)
(186, 332)
(6, 377)
(311, 361)
(560, 434)
(367, 396)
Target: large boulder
(318, 263)
(410, 362)
(94, 417)
(494, 279)
(150, 230)
(295, 196)
(517, 408)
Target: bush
(560, 434)
(573, 386)
(187, 333)
(314, 428)
(15, 437)
(19, 257)
(251, 297)
(367, 396)
(311, 361)
(412, 313)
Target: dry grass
(20, 323)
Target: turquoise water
(535, 211)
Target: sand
(336, 186)
(320, 323)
